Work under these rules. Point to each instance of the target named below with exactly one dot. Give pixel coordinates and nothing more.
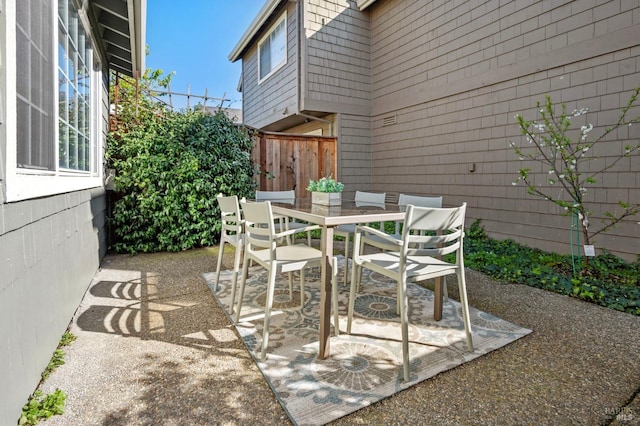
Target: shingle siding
(337, 55)
(276, 96)
(437, 44)
(448, 119)
(50, 249)
(452, 75)
(354, 152)
(337, 79)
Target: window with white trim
(272, 49)
(34, 85)
(58, 136)
(74, 94)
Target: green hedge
(169, 171)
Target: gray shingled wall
(454, 74)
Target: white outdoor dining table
(328, 218)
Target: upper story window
(272, 48)
(58, 134)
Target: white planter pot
(326, 198)
(321, 210)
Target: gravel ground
(154, 348)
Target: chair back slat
(417, 200)
(376, 199)
(435, 250)
(287, 197)
(230, 214)
(258, 222)
(373, 199)
(433, 231)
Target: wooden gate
(288, 161)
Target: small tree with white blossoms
(564, 161)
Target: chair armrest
(382, 239)
(297, 231)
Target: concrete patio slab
(154, 347)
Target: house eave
(363, 4)
(122, 27)
(139, 37)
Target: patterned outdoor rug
(363, 367)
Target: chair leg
(356, 272)
(284, 225)
(309, 238)
(301, 288)
(438, 298)
(290, 274)
(346, 259)
(234, 278)
(334, 297)
(219, 265)
(291, 239)
(462, 288)
(245, 268)
(404, 323)
(267, 313)
(445, 293)
(360, 272)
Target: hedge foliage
(607, 281)
(168, 172)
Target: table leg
(438, 296)
(325, 291)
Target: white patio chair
(282, 222)
(361, 199)
(232, 232)
(403, 201)
(261, 247)
(411, 263)
(416, 200)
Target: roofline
(363, 4)
(262, 17)
(138, 35)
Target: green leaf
(175, 166)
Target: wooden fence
(289, 161)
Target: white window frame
(273, 67)
(22, 183)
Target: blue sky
(194, 39)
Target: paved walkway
(154, 348)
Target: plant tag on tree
(589, 251)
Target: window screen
(273, 49)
